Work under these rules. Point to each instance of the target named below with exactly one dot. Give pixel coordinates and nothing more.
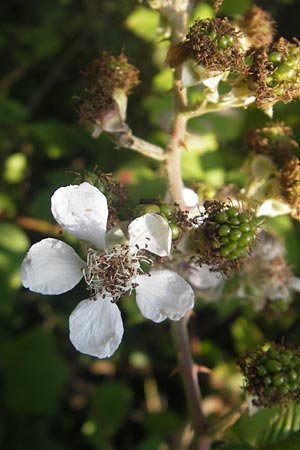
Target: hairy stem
(175, 144)
(189, 373)
(178, 21)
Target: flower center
(112, 272)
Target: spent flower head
(111, 269)
(257, 26)
(109, 81)
(212, 43)
(274, 170)
(275, 73)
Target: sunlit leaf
(143, 22)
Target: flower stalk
(173, 167)
(189, 373)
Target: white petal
(273, 208)
(190, 197)
(151, 232)
(163, 295)
(96, 327)
(82, 211)
(203, 278)
(51, 267)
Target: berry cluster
(232, 232)
(166, 210)
(285, 68)
(222, 41)
(273, 375)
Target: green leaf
(13, 244)
(291, 443)
(152, 443)
(15, 168)
(143, 22)
(268, 427)
(246, 334)
(248, 428)
(34, 375)
(285, 422)
(232, 7)
(235, 446)
(162, 423)
(12, 112)
(110, 406)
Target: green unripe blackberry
(273, 366)
(234, 221)
(284, 72)
(175, 231)
(278, 379)
(235, 234)
(212, 34)
(272, 375)
(224, 230)
(275, 57)
(230, 38)
(167, 210)
(221, 217)
(232, 231)
(222, 42)
(146, 208)
(232, 212)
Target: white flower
(53, 267)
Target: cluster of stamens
(112, 273)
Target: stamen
(112, 273)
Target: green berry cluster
(232, 232)
(166, 210)
(285, 68)
(222, 41)
(273, 375)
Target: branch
(189, 373)
(126, 139)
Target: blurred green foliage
(50, 396)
